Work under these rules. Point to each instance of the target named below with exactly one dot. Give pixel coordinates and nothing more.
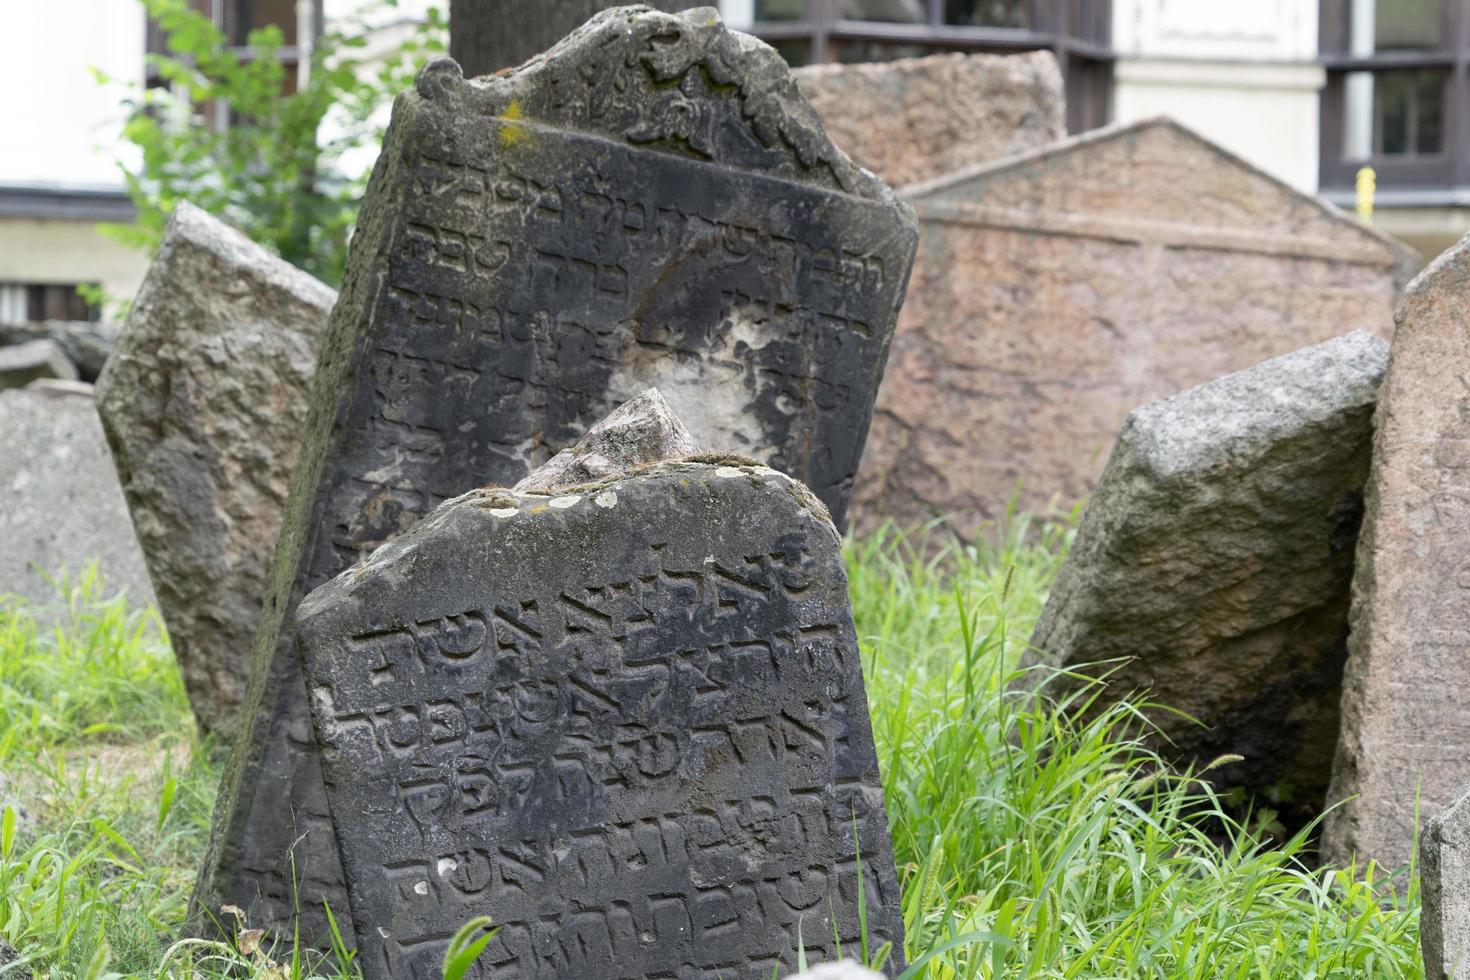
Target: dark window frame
(1448, 168)
(1078, 32)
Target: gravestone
(1444, 876)
(203, 402)
(624, 719)
(34, 360)
(1405, 740)
(62, 505)
(916, 119)
(652, 202)
(1212, 566)
(1059, 289)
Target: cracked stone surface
(203, 400)
(1404, 743)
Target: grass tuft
(1028, 844)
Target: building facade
(1309, 90)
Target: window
(1391, 100)
(38, 302)
(1078, 32)
(237, 18)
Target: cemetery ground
(1028, 845)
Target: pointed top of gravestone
(681, 84)
(643, 430)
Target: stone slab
(916, 119)
(1405, 739)
(627, 722)
(1212, 566)
(63, 507)
(32, 360)
(1058, 290)
(1444, 880)
(651, 202)
(203, 402)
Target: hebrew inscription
(654, 205)
(639, 750)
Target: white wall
(58, 127)
(1241, 72)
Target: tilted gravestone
(624, 719)
(1212, 566)
(1444, 876)
(652, 202)
(203, 401)
(1404, 751)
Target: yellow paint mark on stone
(512, 134)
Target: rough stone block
(627, 722)
(651, 202)
(34, 359)
(1212, 566)
(916, 119)
(63, 507)
(1405, 743)
(203, 402)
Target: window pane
(796, 52)
(986, 13)
(900, 11)
(1408, 24)
(1393, 95)
(780, 9)
(1429, 112)
(254, 14)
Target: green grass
(1028, 846)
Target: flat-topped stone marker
(203, 400)
(625, 720)
(1212, 566)
(1405, 741)
(651, 202)
(1444, 877)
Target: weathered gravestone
(624, 719)
(1212, 567)
(1405, 740)
(652, 202)
(203, 401)
(1058, 290)
(62, 506)
(1444, 876)
(488, 35)
(916, 119)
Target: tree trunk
(488, 35)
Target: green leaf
(7, 832)
(166, 799)
(466, 947)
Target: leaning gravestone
(1212, 567)
(62, 506)
(203, 401)
(34, 360)
(624, 719)
(650, 202)
(1444, 875)
(1405, 745)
